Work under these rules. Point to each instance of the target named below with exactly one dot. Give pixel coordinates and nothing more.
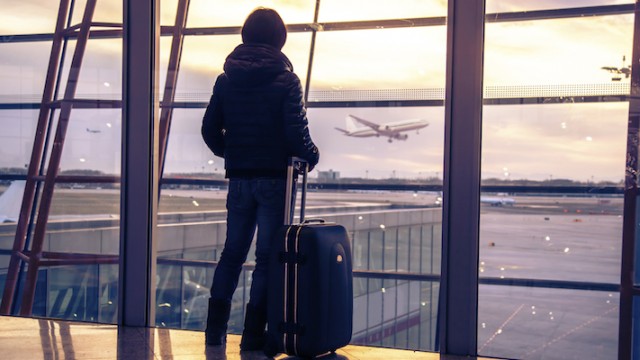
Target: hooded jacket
(256, 117)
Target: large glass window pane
(394, 70)
(395, 231)
(555, 53)
(204, 56)
(187, 153)
(398, 314)
(78, 213)
(554, 131)
(520, 5)
(380, 59)
(538, 323)
(354, 10)
(23, 68)
(168, 10)
(109, 11)
(101, 70)
(376, 158)
(17, 139)
(92, 144)
(28, 17)
(205, 13)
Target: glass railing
(396, 261)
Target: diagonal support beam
(36, 157)
(54, 160)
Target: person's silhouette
(256, 119)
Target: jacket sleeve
(298, 139)
(213, 121)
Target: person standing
(256, 119)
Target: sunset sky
(578, 141)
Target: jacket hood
(254, 64)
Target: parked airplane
(497, 201)
(10, 202)
(392, 130)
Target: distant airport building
(328, 175)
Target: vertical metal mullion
(139, 184)
(312, 49)
(182, 295)
(384, 246)
(461, 209)
(395, 319)
(631, 213)
(368, 292)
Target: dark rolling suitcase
(310, 282)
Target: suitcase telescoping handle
(295, 168)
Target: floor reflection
(28, 338)
(325, 357)
(49, 338)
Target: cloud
(574, 141)
(563, 51)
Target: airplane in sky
(392, 130)
(93, 131)
(624, 70)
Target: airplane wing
(611, 69)
(368, 123)
(407, 125)
(342, 131)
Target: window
(60, 167)
(554, 121)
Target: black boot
(253, 335)
(217, 318)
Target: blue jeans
(251, 203)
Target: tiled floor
(26, 338)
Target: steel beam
(312, 49)
(140, 170)
(630, 230)
(54, 161)
(461, 197)
(28, 197)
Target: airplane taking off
(392, 130)
(624, 70)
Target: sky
(576, 141)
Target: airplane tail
(351, 123)
(342, 130)
(11, 201)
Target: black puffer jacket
(256, 117)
